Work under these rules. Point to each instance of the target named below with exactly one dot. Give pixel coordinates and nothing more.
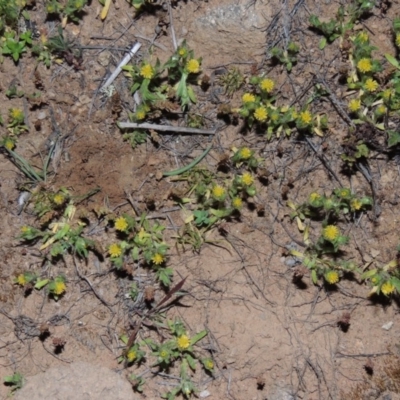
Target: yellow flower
(363, 37)
(354, 105)
(59, 288)
(247, 179)
(147, 71)
(398, 40)
(140, 114)
(387, 94)
(267, 85)
(305, 117)
(364, 65)
(182, 52)
(331, 277)
(260, 114)
(343, 193)
(375, 280)
(387, 288)
(248, 98)
(163, 353)
(245, 153)
(193, 66)
(356, 204)
(183, 342)
(115, 250)
(16, 114)
(209, 364)
(158, 259)
(331, 233)
(237, 203)
(381, 109)
(121, 224)
(371, 85)
(21, 280)
(8, 144)
(314, 196)
(218, 192)
(25, 229)
(274, 116)
(131, 355)
(59, 199)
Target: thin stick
(167, 128)
(125, 61)
(171, 24)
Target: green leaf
(191, 361)
(191, 94)
(62, 232)
(314, 277)
(40, 284)
(196, 338)
(396, 283)
(393, 138)
(124, 339)
(314, 21)
(135, 253)
(322, 43)
(369, 274)
(392, 61)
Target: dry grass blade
(168, 296)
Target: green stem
(189, 166)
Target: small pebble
(387, 326)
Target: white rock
(387, 326)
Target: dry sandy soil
(269, 338)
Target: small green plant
(344, 21)
(341, 202)
(61, 236)
(140, 242)
(384, 279)
(259, 110)
(132, 355)
(57, 287)
(135, 137)
(137, 382)
(16, 381)
(179, 349)
(321, 257)
(13, 46)
(138, 4)
(9, 13)
(16, 124)
(184, 69)
(146, 80)
(60, 45)
(26, 279)
(216, 197)
(288, 56)
(34, 176)
(245, 156)
(232, 80)
(69, 10)
(354, 152)
(13, 92)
